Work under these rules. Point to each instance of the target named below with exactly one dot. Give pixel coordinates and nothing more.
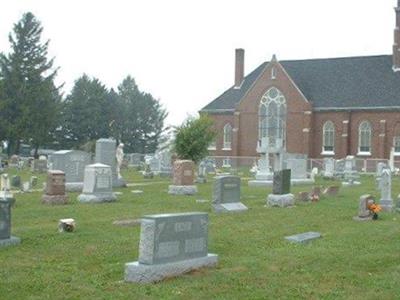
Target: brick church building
(320, 107)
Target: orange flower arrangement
(375, 208)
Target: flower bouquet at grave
(314, 198)
(374, 208)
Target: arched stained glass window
(272, 118)
(328, 137)
(364, 137)
(227, 136)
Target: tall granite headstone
(6, 239)
(281, 195)
(106, 150)
(170, 245)
(226, 194)
(97, 184)
(385, 185)
(329, 167)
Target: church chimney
(239, 67)
(396, 45)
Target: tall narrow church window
(396, 138)
(273, 73)
(227, 136)
(328, 137)
(364, 137)
(272, 118)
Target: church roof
(366, 82)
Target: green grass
(353, 260)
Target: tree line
(34, 111)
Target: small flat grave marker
(303, 238)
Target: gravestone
(154, 163)
(226, 194)
(385, 185)
(55, 188)
(5, 183)
(263, 169)
(135, 160)
(329, 168)
(33, 181)
(339, 168)
(303, 238)
(39, 166)
(106, 150)
(72, 163)
(13, 161)
(183, 178)
(364, 214)
(298, 167)
(165, 159)
(147, 172)
(170, 245)
(16, 181)
(350, 173)
(201, 173)
(97, 184)
(6, 239)
(281, 195)
(281, 184)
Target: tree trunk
(35, 154)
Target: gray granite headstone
(281, 182)
(385, 185)
(5, 223)
(106, 150)
(39, 166)
(329, 167)
(298, 167)
(97, 184)
(170, 244)
(16, 181)
(72, 163)
(303, 237)
(226, 194)
(135, 159)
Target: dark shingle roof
(334, 83)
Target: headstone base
(358, 218)
(229, 207)
(386, 205)
(141, 273)
(268, 183)
(74, 186)
(97, 198)
(303, 238)
(148, 175)
(13, 240)
(182, 189)
(201, 180)
(347, 183)
(119, 182)
(284, 200)
(55, 199)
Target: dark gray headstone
(281, 182)
(226, 194)
(5, 218)
(16, 181)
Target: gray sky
(182, 52)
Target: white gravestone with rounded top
(170, 245)
(97, 184)
(385, 185)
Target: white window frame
(396, 139)
(328, 132)
(364, 132)
(264, 119)
(226, 162)
(227, 137)
(212, 146)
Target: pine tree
(30, 99)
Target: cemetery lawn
(352, 260)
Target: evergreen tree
(86, 114)
(141, 118)
(30, 98)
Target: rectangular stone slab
(226, 189)
(167, 238)
(230, 207)
(303, 237)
